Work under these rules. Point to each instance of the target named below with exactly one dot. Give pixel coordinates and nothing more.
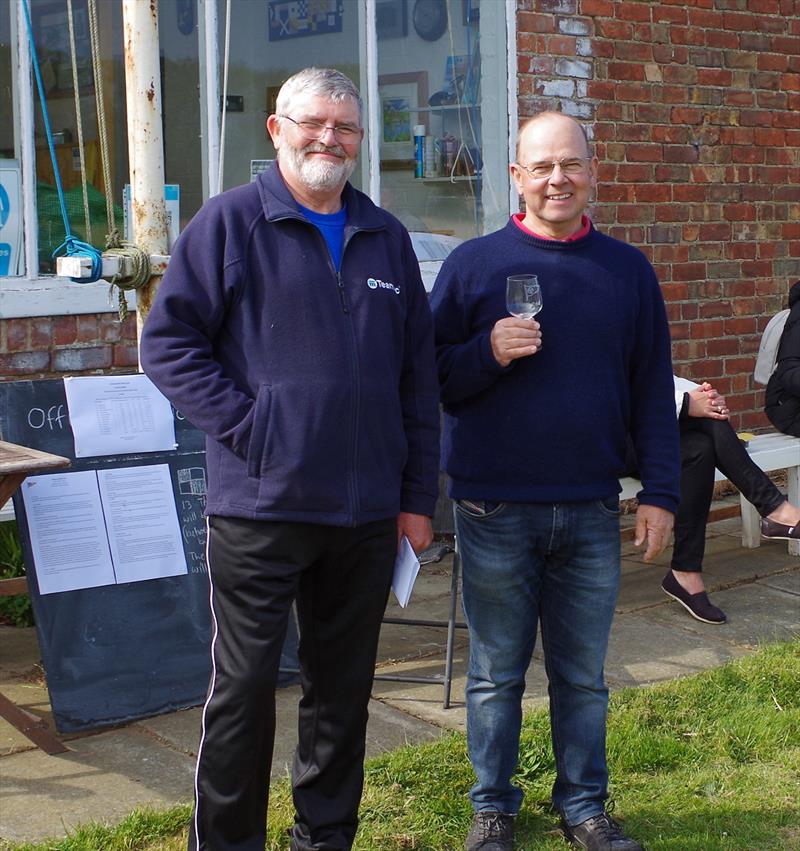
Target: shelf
(447, 107)
(459, 179)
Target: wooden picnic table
(16, 464)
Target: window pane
(52, 37)
(183, 163)
(268, 43)
(442, 74)
(10, 200)
(6, 85)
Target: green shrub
(16, 609)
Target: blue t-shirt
(331, 226)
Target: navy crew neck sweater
(552, 427)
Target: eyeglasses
(316, 129)
(569, 165)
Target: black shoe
(490, 831)
(698, 605)
(599, 833)
(779, 531)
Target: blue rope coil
(73, 245)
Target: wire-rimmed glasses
(316, 130)
(568, 165)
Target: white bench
(770, 452)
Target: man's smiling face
(319, 164)
(554, 204)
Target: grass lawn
(708, 762)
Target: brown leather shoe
(779, 531)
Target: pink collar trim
(586, 226)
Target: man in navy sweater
(293, 328)
(536, 418)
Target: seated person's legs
(684, 582)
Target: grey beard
(318, 176)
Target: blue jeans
(560, 565)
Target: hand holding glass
(523, 296)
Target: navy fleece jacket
(317, 390)
(552, 427)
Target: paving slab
(757, 613)
(399, 642)
(640, 586)
(425, 701)
(734, 564)
(788, 581)
(102, 778)
(32, 697)
(656, 646)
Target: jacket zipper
(352, 483)
(353, 476)
(352, 486)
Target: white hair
(323, 82)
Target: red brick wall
(46, 347)
(695, 110)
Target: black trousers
(706, 444)
(340, 578)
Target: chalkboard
(125, 651)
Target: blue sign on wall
(10, 219)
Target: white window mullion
(373, 104)
(210, 93)
(513, 111)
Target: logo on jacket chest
(377, 284)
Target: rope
(79, 116)
(71, 245)
(115, 245)
(112, 238)
(139, 276)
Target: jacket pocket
(301, 449)
(257, 448)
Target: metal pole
(143, 84)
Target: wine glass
(523, 296)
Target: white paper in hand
(406, 568)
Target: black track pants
(340, 578)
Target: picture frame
(404, 103)
(288, 19)
(51, 35)
(391, 19)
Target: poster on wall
(10, 219)
(258, 167)
(297, 18)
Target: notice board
(119, 652)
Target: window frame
(32, 294)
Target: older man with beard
(293, 328)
